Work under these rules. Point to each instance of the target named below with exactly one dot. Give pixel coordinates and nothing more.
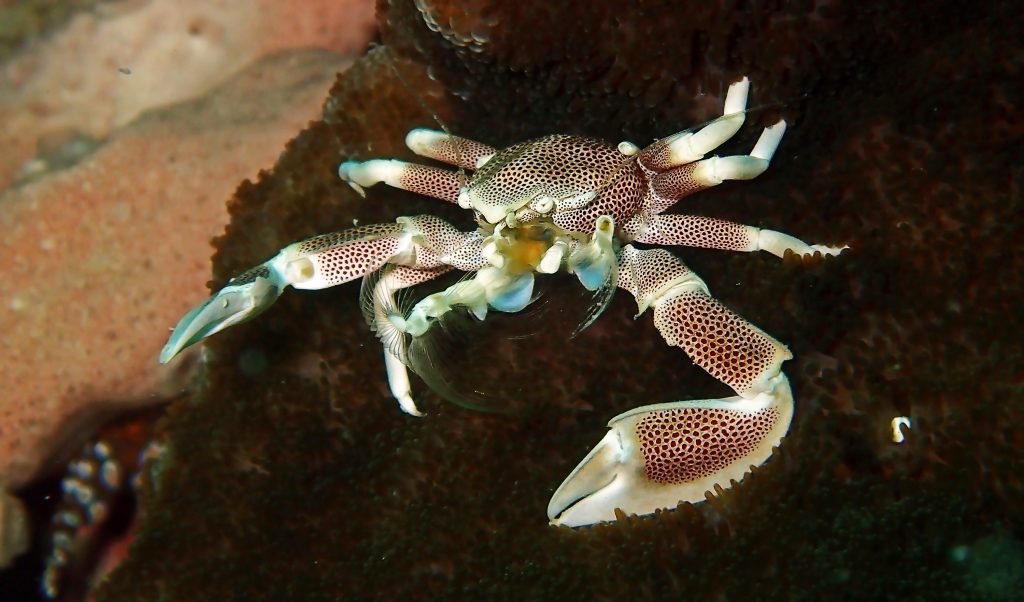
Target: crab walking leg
(655, 457)
(453, 150)
(421, 179)
(669, 186)
(689, 146)
(713, 233)
(320, 262)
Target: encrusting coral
(290, 474)
(64, 93)
(107, 175)
(84, 281)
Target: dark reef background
(290, 474)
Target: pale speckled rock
(99, 260)
(109, 64)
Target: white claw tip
(769, 141)
(897, 425)
(345, 173)
(409, 406)
(736, 96)
(420, 139)
(344, 169)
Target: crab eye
(544, 204)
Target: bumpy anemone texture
(291, 474)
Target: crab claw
(244, 297)
(656, 456)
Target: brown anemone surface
(291, 475)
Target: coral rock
(107, 65)
(100, 259)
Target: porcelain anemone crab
(578, 205)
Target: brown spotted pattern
(672, 185)
(405, 276)
(323, 242)
(657, 157)
(699, 231)
(437, 234)
(355, 259)
(469, 257)
(440, 242)
(685, 444)
(456, 150)
(250, 275)
(562, 167)
(642, 272)
(727, 346)
(343, 256)
(431, 181)
(621, 199)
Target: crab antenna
(433, 115)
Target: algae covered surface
(291, 474)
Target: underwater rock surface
(108, 62)
(291, 474)
(100, 258)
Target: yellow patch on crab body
(520, 250)
(527, 248)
